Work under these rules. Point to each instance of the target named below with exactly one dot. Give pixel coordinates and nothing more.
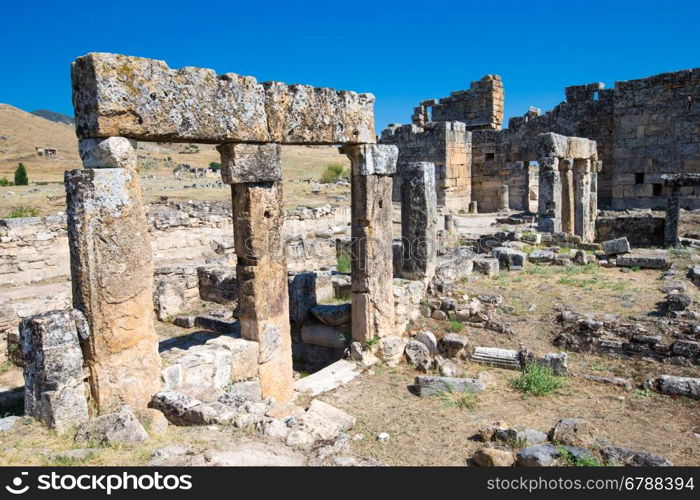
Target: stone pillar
(595, 168)
(673, 211)
(505, 203)
(549, 198)
(54, 390)
(473, 207)
(255, 174)
(372, 268)
(582, 204)
(112, 274)
(567, 195)
(419, 221)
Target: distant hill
(54, 116)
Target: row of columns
(112, 268)
(568, 196)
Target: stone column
(596, 166)
(673, 211)
(567, 195)
(112, 274)
(255, 174)
(473, 207)
(419, 221)
(372, 269)
(505, 203)
(582, 204)
(549, 198)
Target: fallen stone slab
(342, 419)
(616, 246)
(537, 456)
(339, 373)
(244, 356)
(645, 259)
(120, 427)
(618, 381)
(332, 314)
(418, 355)
(618, 455)
(672, 385)
(323, 335)
(428, 385)
(181, 409)
(7, 423)
(502, 358)
(486, 265)
(541, 256)
(509, 258)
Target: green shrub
(21, 178)
(536, 380)
(20, 212)
(215, 166)
(570, 459)
(462, 400)
(343, 263)
(4, 181)
(333, 172)
(455, 326)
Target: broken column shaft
(372, 269)
(419, 220)
(112, 274)
(549, 199)
(582, 204)
(255, 174)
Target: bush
(333, 172)
(537, 380)
(215, 166)
(455, 326)
(20, 212)
(343, 264)
(570, 459)
(4, 181)
(21, 178)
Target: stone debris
(339, 373)
(323, 335)
(617, 455)
(557, 362)
(54, 390)
(332, 315)
(618, 381)
(537, 456)
(672, 385)
(493, 457)
(510, 259)
(617, 246)
(428, 385)
(8, 423)
(502, 358)
(120, 427)
(418, 355)
(571, 431)
(645, 259)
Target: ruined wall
(35, 261)
(479, 107)
(656, 131)
(445, 144)
(641, 230)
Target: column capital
(372, 159)
(243, 163)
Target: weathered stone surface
(112, 279)
(537, 456)
(307, 289)
(571, 431)
(143, 99)
(342, 419)
(8, 423)
(112, 152)
(486, 265)
(509, 258)
(250, 162)
(503, 358)
(616, 246)
(372, 159)
(418, 220)
(240, 392)
(262, 283)
(557, 362)
(541, 256)
(645, 258)
(181, 409)
(429, 386)
(428, 339)
(244, 356)
(617, 455)
(199, 367)
(323, 335)
(54, 391)
(391, 349)
(672, 385)
(418, 355)
(493, 457)
(333, 314)
(120, 427)
(327, 379)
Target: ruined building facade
(642, 128)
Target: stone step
(339, 373)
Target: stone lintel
(248, 163)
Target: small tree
(333, 172)
(215, 166)
(21, 178)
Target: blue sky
(403, 52)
